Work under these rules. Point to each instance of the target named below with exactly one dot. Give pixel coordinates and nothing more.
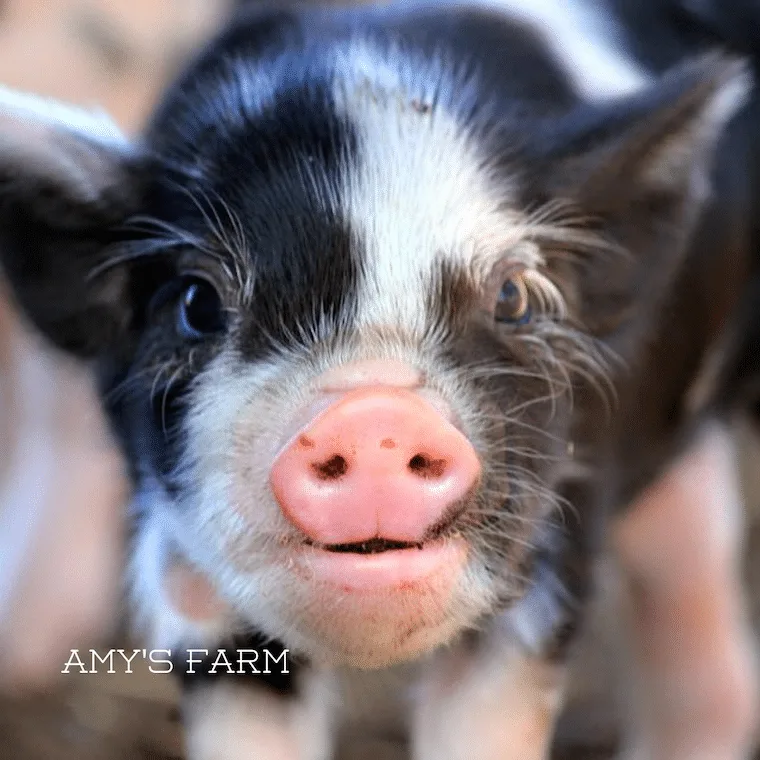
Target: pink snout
(379, 463)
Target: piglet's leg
(240, 720)
(694, 667)
(493, 703)
(226, 722)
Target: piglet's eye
(513, 303)
(201, 311)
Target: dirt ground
(118, 54)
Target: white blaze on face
(419, 192)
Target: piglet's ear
(642, 169)
(661, 142)
(68, 180)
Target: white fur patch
(36, 110)
(583, 39)
(227, 722)
(233, 723)
(80, 149)
(155, 617)
(537, 616)
(420, 192)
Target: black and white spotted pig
(391, 306)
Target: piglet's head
(344, 330)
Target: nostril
(427, 467)
(334, 468)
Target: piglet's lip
(438, 561)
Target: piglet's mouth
(381, 565)
(373, 546)
(446, 527)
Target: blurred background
(118, 54)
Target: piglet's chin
(370, 611)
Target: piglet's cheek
(192, 594)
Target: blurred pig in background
(62, 485)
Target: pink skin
(375, 459)
(403, 568)
(192, 594)
(381, 462)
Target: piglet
(393, 310)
